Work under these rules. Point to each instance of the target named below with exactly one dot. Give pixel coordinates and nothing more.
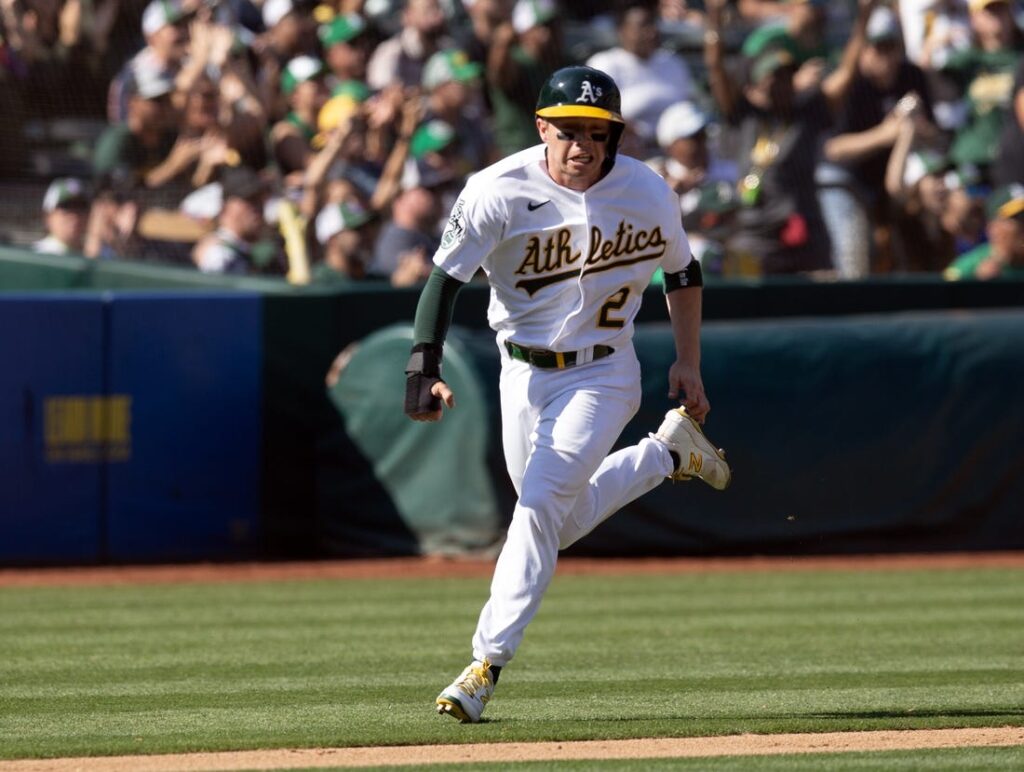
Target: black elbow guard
(690, 276)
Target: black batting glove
(421, 373)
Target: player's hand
(442, 392)
(685, 384)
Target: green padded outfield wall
(848, 434)
(307, 450)
(888, 433)
(437, 475)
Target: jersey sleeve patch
(455, 230)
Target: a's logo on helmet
(589, 93)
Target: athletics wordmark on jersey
(545, 260)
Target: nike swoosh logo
(531, 206)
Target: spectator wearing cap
(852, 183)
(410, 236)
(344, 167)
(935, 215)
(290, 30)
(778, 133)
(1010, 165)
(649, 77)
(985, 73)
(165, 28)
(141, 147)
(347, 45)
(435, 161)
(66, 214)
(800, 29)
(290, 33)
(239, 224)
(525, 52)
(303, 83)
(400, 59)
(451, 82)
(704, 182)
(1003, 255)
(687, 163)
(345, 230)
(345, 110)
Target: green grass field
(168, 668)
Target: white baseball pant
(558, 427)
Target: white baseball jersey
(567, 269)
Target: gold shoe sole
(446, 707)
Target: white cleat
(697, 456)
(468, 694)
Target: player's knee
(541, 513)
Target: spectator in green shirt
(1003, 255)
(303, 83)
(523, 54)
(143, 147)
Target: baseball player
(568, 236)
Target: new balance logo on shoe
(696, 462)
(683, 436)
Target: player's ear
(541, 124)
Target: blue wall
(130, 427)
(49, 509)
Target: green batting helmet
(583, 92)
(580, 92)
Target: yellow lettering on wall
(87, 428)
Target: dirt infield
(686, 747)
(426, 568)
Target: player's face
(577, 148)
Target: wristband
(690, 276)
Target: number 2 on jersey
(614, 302)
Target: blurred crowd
(327, 142)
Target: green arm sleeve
(434, 311)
